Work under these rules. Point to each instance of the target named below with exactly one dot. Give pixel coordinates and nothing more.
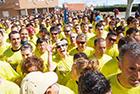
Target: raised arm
(51, 65)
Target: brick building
(76, 6)
(26, 7)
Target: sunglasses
(54, 33)
(112, 24)
(112, 39)
(81, 42)
(90, 27)
(66, 30)
(66, 44)
(60, 46)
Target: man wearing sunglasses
(67, 31)
(54, 34)
(81, 41)
(111, 46)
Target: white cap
(38, 82)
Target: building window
(2, 1)
(5, 13)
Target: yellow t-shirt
(61, 35)
(18, 69)
(72, 85)
(139, 28)
(7, 72)
(90, 42)
(48, 28)
(33, 40)
(2, 49)
(8, 30)
(90, 35)
(2, 26)
(63, 66)
(7, 87)
(6, 37)
(88, 51)
(117, 88)
(70, 48)
(105, 58)
(113, 52)
(44, 58)
(13, 58)
(107, 28)
(37, 31)
(126, 28)
(110, 67)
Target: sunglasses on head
(80, 42)
(60, 46)
(112, 39)
(54, 33)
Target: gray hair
(67, 25)
(82, 36)
(133, 47)
(26, 46)
(73, 33)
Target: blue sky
(95, 3)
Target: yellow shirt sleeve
(7, 72)
(110, 67)
(113, 52)
(8, 87)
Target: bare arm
(51, 65)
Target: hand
(49, 47)
(65, 6)
(91, 7)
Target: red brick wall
(76, 6)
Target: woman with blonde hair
(79, 67)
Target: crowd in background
(48, 53)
